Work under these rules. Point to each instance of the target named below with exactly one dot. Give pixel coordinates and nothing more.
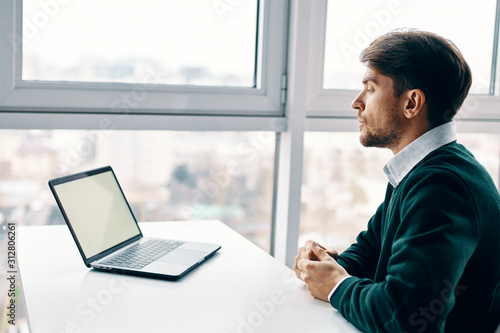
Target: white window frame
(336, 103)
(298, 80)
(114, 98)
(310, 107)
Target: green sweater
(429, 260)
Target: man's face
(380, 113)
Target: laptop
(108, 235)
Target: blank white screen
(97, 211)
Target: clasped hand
(318, 268)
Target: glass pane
(193, 42)
(165, 175)
(486, 149)
(347, 37)
(344, 183)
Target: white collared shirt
(403, 162)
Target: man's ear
(414, 103)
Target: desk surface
(241, 289)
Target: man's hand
(306, 252)
(318, 269)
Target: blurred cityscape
(205, 175)
(165, 175)
(169, 175)
(344, 182)
(134, 70)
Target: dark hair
(423, 60)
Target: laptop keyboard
(141, 255)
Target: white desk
(241, 289)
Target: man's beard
(385, 138)
(380, 140)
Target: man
(429, 260)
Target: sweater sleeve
(360, 259)
(436, 236)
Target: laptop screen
(97, 211)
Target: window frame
(310, 107)
(336, 103)
(290, 102)
(118, 98)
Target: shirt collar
(403, 162)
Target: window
(156, 57)
(344, 183)
(347, 37)
(165, 175)
(288, 84)
(262, 75)
(342, 29)
(191, 42)
(486, 149)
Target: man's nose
(357, 104)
